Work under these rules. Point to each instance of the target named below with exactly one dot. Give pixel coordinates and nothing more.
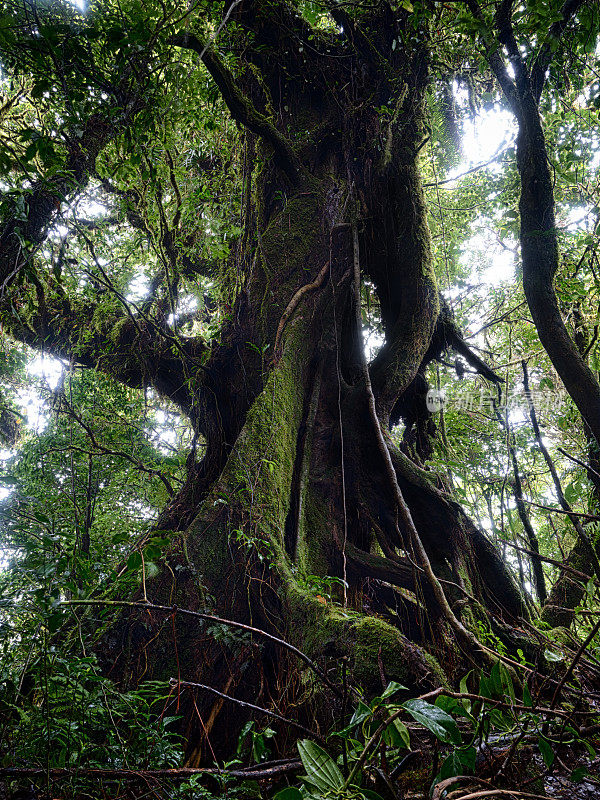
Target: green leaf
(496, 680)
(464, 689)
(485, 687)
(391, 689)
(134, 561)
(289, 793)
(369, 794)
(578, 774)
(151, 551)
(434, 719)
(452, 706)
(321, 769)
(507, 683)
(546, 751)
(570, 493)
(459, 762)
(397, 735)
(550, 655)
(54, 622)
(362, 713)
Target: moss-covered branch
(133, 350)
(240, 107)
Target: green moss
(215, 557)
(377, 640)
(118, 329)
(314, 535)
(561, 635)
(255, 485)
(328, 630)
(290, 243)
(290, 234)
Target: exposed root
(293, 305)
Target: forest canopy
(299, 399)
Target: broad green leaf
(452, 706)
(289, 793)
(362, 713)
(320, 768)
(434, 719)
(369, 794)
(397, 735)
(578, 774)
(465, 690)
(392, 688)
(507, 682)
(459, 762)
(134, 561)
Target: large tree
(299, 127)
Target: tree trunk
(293, 483)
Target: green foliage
(255, 741)
(464, 723)
(80, 720)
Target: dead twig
(146, 606)
(245, 704)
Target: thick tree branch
(240, 107)
(262, 772)
(19, 238)
(507, 36)
(452, 337)
(539, 243)
(132, 350)
(359, 40)
(494, 57)
(540, 253)
(399, 572)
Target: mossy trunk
(302, 497)
(290, 523)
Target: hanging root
(465, 638)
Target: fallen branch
(180, 773)
(440, 790)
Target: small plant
(323, 587)
(255, 742)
